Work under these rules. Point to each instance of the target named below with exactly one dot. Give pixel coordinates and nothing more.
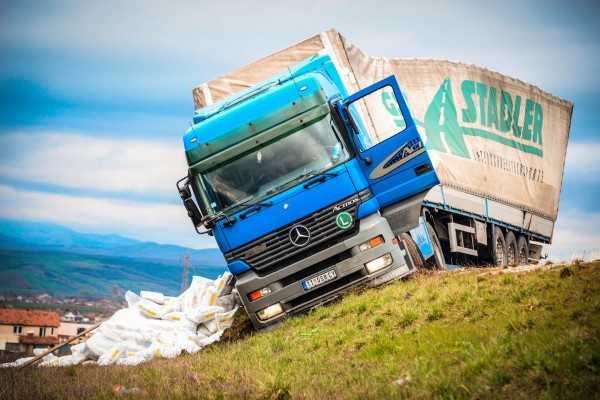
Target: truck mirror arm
(192, 209)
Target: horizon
(105, 235)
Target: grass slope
(465, 334)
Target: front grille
(275, 250)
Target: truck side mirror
(190, 206)
(185, 192)
(192, 211)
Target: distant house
(72, 324)
(21, 331)
(44, 297)
(68, 317)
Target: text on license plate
(319, 279)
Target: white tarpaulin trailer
(495, 141)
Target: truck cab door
(390, 150)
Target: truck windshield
(263, 171)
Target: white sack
(146, 329)
(156, 297)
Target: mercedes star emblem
(299, 236)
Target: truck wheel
(499, 253)
(413, 250)
(437, 260)
(512, 254)
(522, 250)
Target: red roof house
(23, 330)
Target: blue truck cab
(305, 191)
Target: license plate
(319, 279)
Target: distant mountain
(25, 235)
(48, 257)
(48, 234)
(13, 243)
(90, 276)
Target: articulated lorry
(319, 168)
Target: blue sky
(95, 96)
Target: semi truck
(319, 168)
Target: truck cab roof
(288, 100)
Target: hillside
(458, 334)
(64, 275)
(45, 257)
(48, 237)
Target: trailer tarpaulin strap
(487, 134)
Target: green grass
(450, 335)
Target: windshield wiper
(256, 203)
(248, 203)
(322, 177)
(257, 207)
(298, 178)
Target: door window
(376, 117)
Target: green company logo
(344, 220)
(490, 113)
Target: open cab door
(390, 151)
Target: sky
(95, 96)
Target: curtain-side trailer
(480, 181)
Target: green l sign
(344, 220)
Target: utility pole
(116, 294)
(186, 269)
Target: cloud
(162, 223)
(576, 234)
(551, 45)
(583, 161)
(130, 166)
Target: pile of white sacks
(157, 326)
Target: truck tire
(414, 251)
(499, 251)
(522, 250)
(512, 254)
(437, 260)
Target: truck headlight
(269, 312)
(379, 263)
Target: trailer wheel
(512, 252)
(414, 251)
(499, 251)
(437, 261)
(522, 250)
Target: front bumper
(345, 258)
